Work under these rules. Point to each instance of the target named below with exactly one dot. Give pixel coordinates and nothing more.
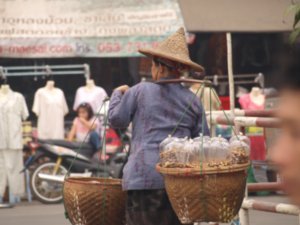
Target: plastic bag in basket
(239, 152)
(219, 150)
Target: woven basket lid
(173, 48)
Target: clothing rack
(46, 70)
(239, 79)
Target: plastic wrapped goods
(219, 139)
(219, 150)
(239, 152)
(201, 150)
(166, 141)
(173, 154)
(202, 138)
(240, 137)
(195, 152)
(182, 151)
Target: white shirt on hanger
(13, 110)
(94, 97)
(50, 106)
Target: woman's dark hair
(88, 108)
(159, 62)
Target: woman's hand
(82, 120)
(122, 88)
(91, 125)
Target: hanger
(87, 72)
(49, 74)
(2, 75)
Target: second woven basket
(94, 201)
(212, 195)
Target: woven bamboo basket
(94, 201)
(206, 194)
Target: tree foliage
(296, 26)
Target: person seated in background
(84, 127)
(286, 151)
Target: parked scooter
(55, 157)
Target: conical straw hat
(174, 48)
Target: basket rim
(205, 170)
(94, 181)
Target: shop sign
(89, 28)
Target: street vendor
(155, 110)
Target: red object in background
(258, 149)
(225, 102)
(112, 137)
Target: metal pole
(254, 75)
(247, 113)
(230, 72)
(270, 207)
(244, 216)
(273, 186)
(46, 70)
(267, 122)
(75, 66)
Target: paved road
(38, 214)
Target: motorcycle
(54, 158)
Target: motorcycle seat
(94, 166)
(87, 149)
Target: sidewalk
(39, 214)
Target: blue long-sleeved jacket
(154, 110)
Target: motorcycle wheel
(48, 192)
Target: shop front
(105, 35)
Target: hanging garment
(247, 103)
(50, 106)
(13, 110)
(256, 134)
(11, 163)
(94, 97)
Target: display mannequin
(255, 100)
(50, 106)
(90, 84)
(50, 85)
(5, 88)
(13, 110)
(256, 96)
(90, 93)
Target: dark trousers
(149, 207)
(95, 141)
